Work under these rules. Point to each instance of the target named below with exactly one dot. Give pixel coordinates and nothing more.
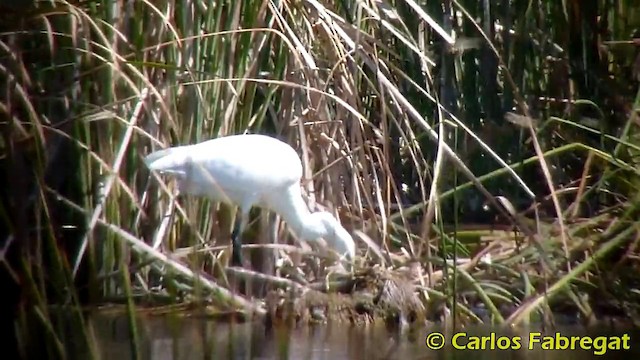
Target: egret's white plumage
(250, 170)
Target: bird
(248, 170)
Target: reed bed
(484, 153)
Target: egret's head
(326, 226)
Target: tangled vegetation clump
(484, 158)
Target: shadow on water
(172, 337)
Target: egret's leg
(236, 241)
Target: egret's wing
(172, 161)
(248, 162)
(241, 167)
(152, 158)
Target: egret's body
(250, 170)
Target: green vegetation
(517, 137)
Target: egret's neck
(312, 226)
(295, 213)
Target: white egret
(246, 171)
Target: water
(172, 338)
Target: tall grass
(415, 123)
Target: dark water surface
(171, 337)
